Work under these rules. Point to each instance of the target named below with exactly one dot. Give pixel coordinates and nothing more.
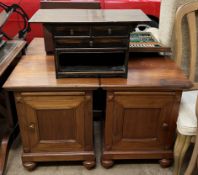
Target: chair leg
(181, 146)
(194, 159)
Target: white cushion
(187, 120)
(154, 31)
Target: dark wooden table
(9, 57)
(87, 33)
(140, 120)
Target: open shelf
(91, 64)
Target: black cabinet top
(88, 16)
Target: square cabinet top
(88, 16)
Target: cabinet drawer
(110, 31)
(113, 42)
(71, 31)
(72, 43)
(90, 43)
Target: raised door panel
(140, 121)
(54, 122)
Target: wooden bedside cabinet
(141, 111)
(55, 116)
(56, 122)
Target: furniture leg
(193, 159)
(164, 163)
(5, 147)
(182, 144)
(30, 166)
(107, 163)
(89, 164)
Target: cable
(17, 9)
(18, 18)
(25, 17)
(4, 6)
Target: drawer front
(71, 31)
(72, 43)
(110, 31)
(110, 42)
(90, 43)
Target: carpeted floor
(146, 167)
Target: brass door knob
(165, 125)
(32, 126)
(18, 99)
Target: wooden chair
(187, 121)
(194, 157)
(186, 128)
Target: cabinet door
(54, 121)
(140, 121)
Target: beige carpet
(14, 165)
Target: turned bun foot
(89, 164)
(107, 163)
(29, 165)
(164, 163)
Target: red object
(15, 22)
(150, 7)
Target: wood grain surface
(38, 71)
(36, 47)
(149, 73)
